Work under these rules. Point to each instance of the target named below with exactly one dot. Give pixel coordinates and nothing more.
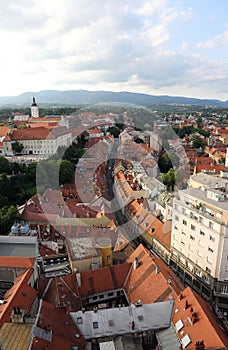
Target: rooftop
(210, 181)
(201, 195)
(19, 246)
(123, 320)
(15, 336)
(82, 248)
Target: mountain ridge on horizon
(86, 97)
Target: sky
(159, 47)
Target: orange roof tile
(16, 261)
(65, 333)
(20, 295)
(4, 130)
(204, 326)
(145, 284)
(105, 279)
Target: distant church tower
(34, 109)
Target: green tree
(164, 163)
(199, 122)
(114, 131)
(4, 165)
(197, 142)
(66, 171)
(8, 215)
(169, 179)
(17, 147)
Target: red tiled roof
(210, 168)
(63, 329)
(164, 235)
(4, 130)
(16, 261)
(20, 295)
(36, 133)
(105, 279)
(205, 327)
(45, 251)
(145, 284)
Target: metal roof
(124, 320)
(19, 246)
(167, 338)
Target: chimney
(157, 269)
(135, 263)
(186, 304)
(194, 317)
(200, 345)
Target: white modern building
(39, 141)
(199, 241)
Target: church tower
(34, 109)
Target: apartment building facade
(199, 242)
(39, 140)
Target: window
(184, 211)
(184, 222)
(79, 320)
(208, 270)
(95, 325)
(210, 224)
(201, 244)
(200, 219)
(224, 288)
(199, 253)
(209, 260)
(182, 242)
(212, 238)
(192, 237)
(210, 250)
(202, 233)
(193, 227)
(176, 218)
(108, 257)
(191, 248)
(198, 273)
(207, 279)
(176, 206)
(183, 233)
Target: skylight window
(179, 324)
(79, 320)
(95, 325)
(186, 340)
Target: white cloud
(150, 8)
(218, 40)
(124, 45)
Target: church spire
(34, 101)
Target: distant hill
(83, 97)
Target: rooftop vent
(135, 263)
